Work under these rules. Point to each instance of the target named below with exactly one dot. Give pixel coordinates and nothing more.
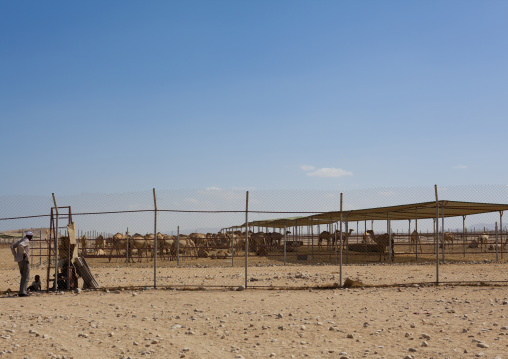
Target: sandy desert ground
(411, 321)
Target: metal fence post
(443, 229)
(56, 245)
(40, 247)
(246, 236)
(312, 236)
(389, 231)
(436, 235)
(501, 231)
(155, 240)
(285, 238)
(232, 247)
(127, 246)
(340, 232)
(418, 239)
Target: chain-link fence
(231, 238)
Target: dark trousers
(24, 270)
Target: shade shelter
(423, 210)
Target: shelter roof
(423, 210)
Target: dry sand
(393, 322)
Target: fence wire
(198, 238)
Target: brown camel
(415, 241)
(383, 241)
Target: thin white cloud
(330, 172)
(213, 188)
(460, 167)
(387, 193)
(307, 167)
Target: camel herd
(224, 245)
(168, 246)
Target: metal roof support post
(312, 236)
(436, 234)
(409, 235)
(345, 239)
(389, 231)
(340, 270)
(232, 248)
(285, 238)
(296, 238)
(464, 235)
(330, 230)
(178, 246)
(443, 230)
(417, 235)
(246, 236)
(336, 241)
(501, 231)
(497, 254)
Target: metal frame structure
(54, 228)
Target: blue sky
(126, 96)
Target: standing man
(21, 252)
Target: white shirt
(19, 248)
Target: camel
(448, 239)
(138, 242)
(164, 243)
(199, 239)
(232, 240)
(184, 246)
(483, 239)
(257, 241)
(274, 237)
(325, 235)
(222, 240)
(367, 238)
(99, 244)
(345, 237)
(119, 243)
(415, 240)
(329, 237)
(150, 239)
(382, 242)
(83, 242)
(238, 243)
